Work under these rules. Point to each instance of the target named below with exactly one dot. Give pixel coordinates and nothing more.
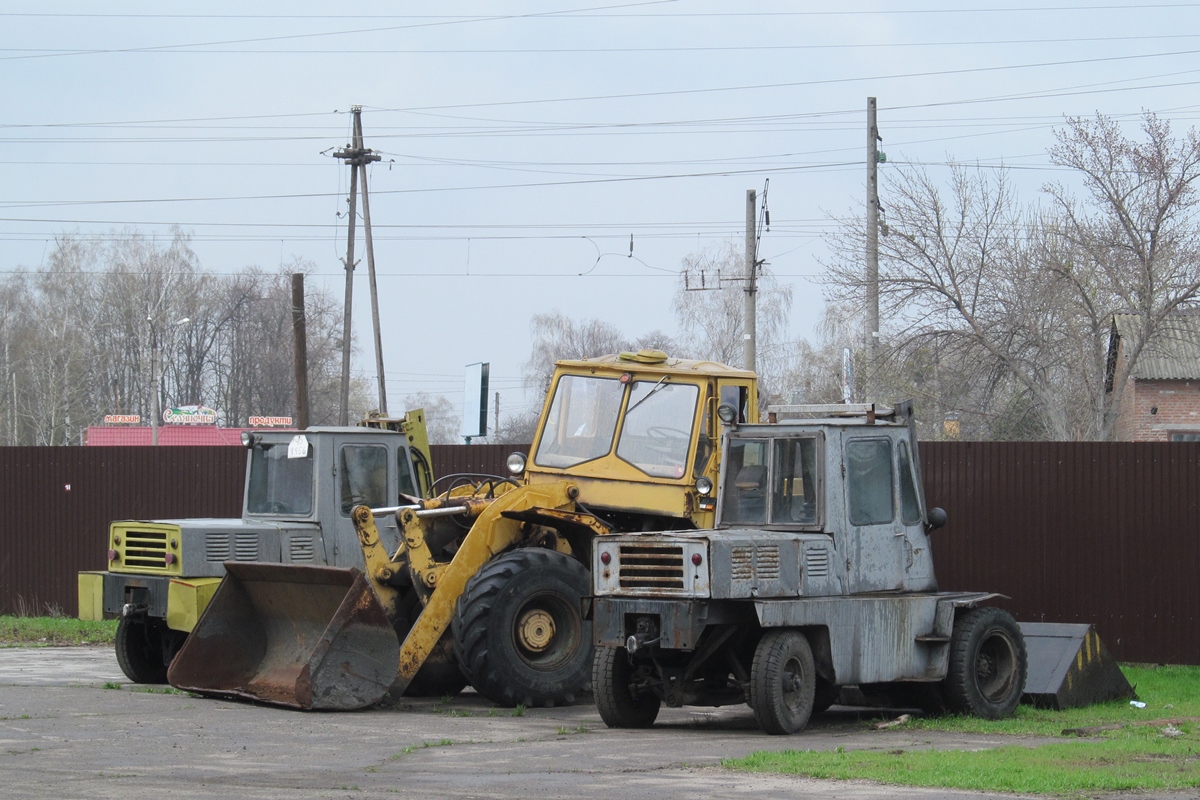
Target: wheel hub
(536, 630)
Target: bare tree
(710, 313)
(1135, 243)
(1010, 307)
(83, 336)
(442, 422)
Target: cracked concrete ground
(66, 732)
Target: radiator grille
(651, 566)
(216, 547)
(816, 562)
(145, 549)
(245, 547)
(300, 548)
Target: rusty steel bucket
(307, 637)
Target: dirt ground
(71, 726)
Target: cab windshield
(582, 420)
(278, 484)
(656, 436)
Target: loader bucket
(1069, 666)
(302, 636)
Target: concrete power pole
(357, 157)
(750, 332)
(872, 331)
(300, 350)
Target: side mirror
(937, 518)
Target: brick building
(1161, 402)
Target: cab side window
(404, 477)
(794, 496)
(869, 481)
(745, 498)
(363, 470)
(910, 508)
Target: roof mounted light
(250, 439)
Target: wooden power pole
(300, 350)
(357, 157)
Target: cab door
(364, 474)
(876, 536)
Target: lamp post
(154, 375)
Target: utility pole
(872, 252)
(496, 426)
(300, 350)
(750, 331)
(357, 157)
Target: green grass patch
(1136, 757)
(1141, 762)
(1168, 692)
(55, 631)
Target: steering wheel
(663, 432)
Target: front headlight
(516, 463)
(704, 486)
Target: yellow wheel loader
(487, 583)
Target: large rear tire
(620, 706)
(988, 664)
(139, 648)
(783, 682)
(519, 634)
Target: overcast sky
(523, 139)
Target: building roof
(1172, 354)
(168, 435)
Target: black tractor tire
(783, 682)
(619, 705)
(988, 664)
(519, 633)
(140, 649)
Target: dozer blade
(1069, 666)
(299, 636)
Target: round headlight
(703, 486)
(727, 413)
(247, 439)
(516, 463)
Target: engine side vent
(245, 547)
(816, 562)
(741, 562)
(651, 566)
(300, 548)
(766, 566)
(216, 547)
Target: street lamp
(154, 375)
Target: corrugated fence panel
(486, 459)
(56, 503)
(1106, 533)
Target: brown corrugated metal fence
(1072, 532)
(56, 502)
(49, 532)
(1106, 533)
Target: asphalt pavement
(71, 726)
